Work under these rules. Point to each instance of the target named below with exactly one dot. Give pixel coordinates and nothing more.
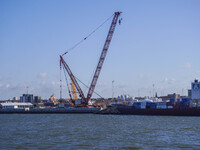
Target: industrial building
(170, 96)
(11, 105)
(30, 98)
(195, 90)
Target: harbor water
(92, 131)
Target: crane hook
(120, 20)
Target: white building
(10, 105)
(195, 90)
(123, 99)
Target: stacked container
(78, 102)
(49, 104)
(170, 105)
(143, 105)
(174, 100)
(148, 105)
(139, 105)
(151, 105)
(161, 105)
(184, 103)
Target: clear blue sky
(157, 43)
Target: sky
(157, 43)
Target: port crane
(99, 66)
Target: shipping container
(78, 102)
(67, 105)
(173, 100)
(139, 105)
(153, 106)
(49, 104)
(161, 105)
(61, 105)
(170, 107)
(185, 100)
(177, 104)
(184, 105)
(148, 103)
(170, 103)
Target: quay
(49, 111)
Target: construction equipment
(103, 55)
(74, 93)
(53, 99)
(99, 66)
(66, 67)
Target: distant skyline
(157, 43)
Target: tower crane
(99, 66)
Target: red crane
(66, 67)
(99, 66)
(103, 55)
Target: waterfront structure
(11, 105)
(14, 99)
(123, 99)
(26, 98)
(195, 90)
(190, 93)
(37, 99)
(53, 99)
(30, 98)
(170, 96)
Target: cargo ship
(129, 110)
(175, 107)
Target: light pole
(27, 89)
(153, 90)
(182, 91)
(113, 89)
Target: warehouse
(15, 105)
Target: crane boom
(74, 90)
(73, 79)
(103, 55)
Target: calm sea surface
(89, 131)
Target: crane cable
(88, 87)
(60, 82)
(87, 36)
(67, 83)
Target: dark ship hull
(129, 110)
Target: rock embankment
(109, 110)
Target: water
(89, 131)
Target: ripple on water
(88, 131)
(132, 147)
